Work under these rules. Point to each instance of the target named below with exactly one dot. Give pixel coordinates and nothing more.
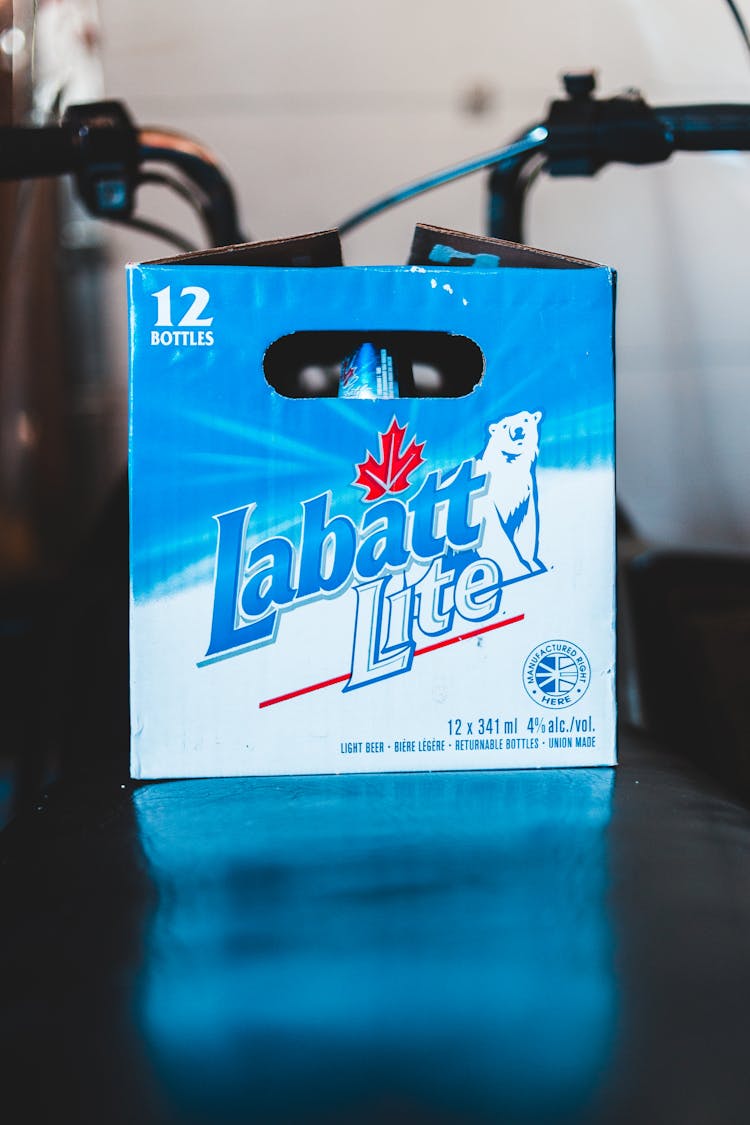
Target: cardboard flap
(437, 246)
(320, 249)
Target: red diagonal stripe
(419, 652)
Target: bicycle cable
(534, 139)
(740, 22)
(156, 229)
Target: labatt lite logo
(406, 558)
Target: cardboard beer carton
(324, 583)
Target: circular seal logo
(556, 674)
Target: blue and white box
(326, 585)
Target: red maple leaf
(391, 472)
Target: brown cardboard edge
(511, 254)
(321, 248)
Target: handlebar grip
(706, 128)
(26, 153)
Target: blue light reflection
(429, 940)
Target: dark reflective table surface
(536, 946)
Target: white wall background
(316, 108)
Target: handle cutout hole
(373, 365)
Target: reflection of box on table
(324, 584)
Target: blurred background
(314, 110)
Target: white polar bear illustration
(507, 506)
(510, 507)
